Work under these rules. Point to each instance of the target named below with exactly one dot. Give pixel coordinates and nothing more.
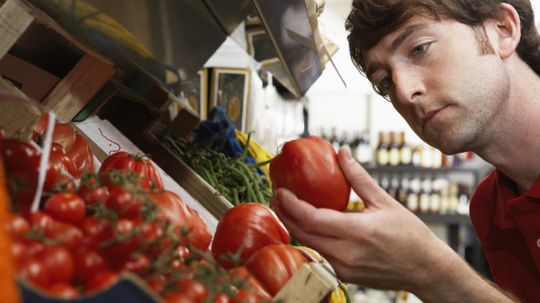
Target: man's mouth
(429, 116)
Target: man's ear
(508, 30)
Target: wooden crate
(310, 284)
(47, 63)
(186, 177)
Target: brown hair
(371, 20)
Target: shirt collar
(510, 203)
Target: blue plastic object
(218, 133)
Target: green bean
(235, 201)
(257, 191)
(233, 178)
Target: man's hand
(385, 246)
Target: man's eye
(383, 86)
(420, 49)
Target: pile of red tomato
(91, 226)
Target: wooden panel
(18, 115)
(74, 91)
(35, 82)
(14, 20)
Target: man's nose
(409, 86)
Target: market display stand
(311, 283)
(48, 69)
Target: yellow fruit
(338, 295)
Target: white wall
(354, 107)
(331, 104)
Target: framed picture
(195, 91)
(260, 47)
(230, 90)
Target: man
(464, 75)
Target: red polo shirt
(508, 226)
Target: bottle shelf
(417, 169)
(402, 169)
(453, 219)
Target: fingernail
(347, 153)
(279, 193)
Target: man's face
(438, 79)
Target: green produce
(233, 178)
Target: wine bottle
(382, 150)
(405, 151)
(394, 158)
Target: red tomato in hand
(65, 207)
(274, 265)
(139, 165)
(310, 169)
(247, 226)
